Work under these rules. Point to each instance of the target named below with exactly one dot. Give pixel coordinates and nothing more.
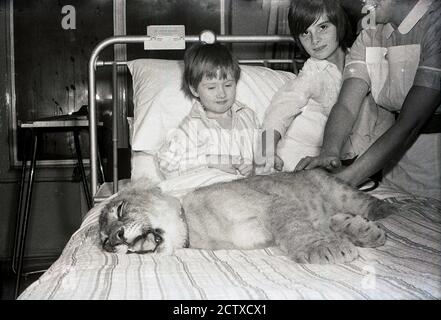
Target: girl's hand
(278, 163)
(323, 161)
(245, 169)
(273, 162)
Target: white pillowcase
(160, 104)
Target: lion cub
(310, 215)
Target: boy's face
(217, 95)
(320, 40)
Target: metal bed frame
(205, 36)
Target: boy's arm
(245, 137)
(181, 152)
(169, 156)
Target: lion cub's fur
(312, 216)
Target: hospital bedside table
(56, 124)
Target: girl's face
(320, 40)
(217, 95)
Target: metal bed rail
(205, 36)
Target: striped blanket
(408, 266)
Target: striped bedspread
(408, 266)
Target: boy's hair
(303, 13)
(207, 60)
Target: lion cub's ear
(116, 211)
(120, 209)
(103, 236)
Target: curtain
(278, 24)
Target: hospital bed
(408, 266)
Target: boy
(215, 141)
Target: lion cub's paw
(381, 210)
(370, 235)
(340, 221)
(360, 231)
(327, 251)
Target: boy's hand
(224, 167)
(224, 163)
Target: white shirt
(185, 150)
(391, 61)
(300, 109)
(311, 94)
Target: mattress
(408, 266)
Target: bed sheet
(408, 266)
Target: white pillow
(160, 104)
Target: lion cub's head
(141, 219)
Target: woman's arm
(339, 125)
(418, 107)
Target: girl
(298, 112)
(215, 141)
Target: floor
(8, 278)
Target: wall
(45, 55)
(248, 17)
(196, 15)
(51, 63)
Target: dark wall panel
(196, 15)
(51, 62)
